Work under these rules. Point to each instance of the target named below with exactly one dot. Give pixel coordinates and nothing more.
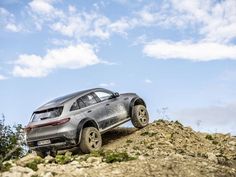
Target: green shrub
(177, 122)
(144, 133)
(11, 141)
(34, 164)
(135, 148)
(63, 159)
(5, 166)
(111, 157)
(129, 141)
(36, 175)
(209, 137)
(150, 146)
(150, 134)
(214, 142)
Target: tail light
(28, 128)
(62, 121)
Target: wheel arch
(86, 122)
(136, 101)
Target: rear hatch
(43, 124)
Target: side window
(77, 105)
(74, 106)
(103, 95)
(80, 103)
(88, 99)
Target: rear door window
(78, 104)
(88, 100)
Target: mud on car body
(79, 119)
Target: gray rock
(49, 159)
(96, 160)
(27, 159)
(212, 157)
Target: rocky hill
(162, 148)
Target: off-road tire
(140, 117)
(91, 140)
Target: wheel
(41, 153)
(91, 140)
(140, 117)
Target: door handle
(107, 104)
(89, 111)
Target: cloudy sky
(180, 56)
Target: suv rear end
(50, 129)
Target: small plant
(177, 122)
(63, 159)
(209, 137)
(34, 164)
(111, 157)
(129, 141)
(36, 175)
(5, 166)
(150, 146)
(135, 148)
(54, 173)
(144, 133)
(159, 121)
(98, 153)
(143, 142)
(137, 153)
(214, 142)
(150, 134)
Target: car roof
(59, 101)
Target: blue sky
(180, 56)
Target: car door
(94, 109)
(115, 108)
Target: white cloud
(148, 81)
(121, 26)
(44, 7)
(217, 19)
(211, 118)
(201, 51)
(61, 42)
(71, 57)
(83, 24)
(7, 21)
(43, 11)
(2, 77)
(110, 84)
(72, 9)
(12, 27)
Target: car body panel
(103, 115)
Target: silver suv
(79, 119)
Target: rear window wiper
(43, 118)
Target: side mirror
(116, 94)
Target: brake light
(53, 123)
(27, 129)
(62, 121)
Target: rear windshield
(46, 114)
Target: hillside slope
(162, 148)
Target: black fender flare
(132, 103)
(81, 125)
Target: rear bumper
(58, 141)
